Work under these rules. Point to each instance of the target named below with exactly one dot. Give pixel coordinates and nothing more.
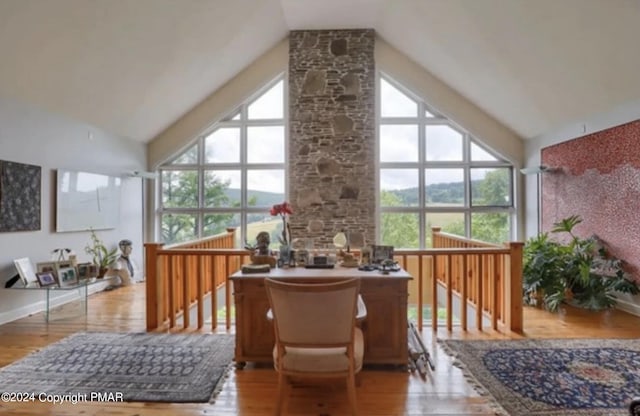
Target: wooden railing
(180, 276)
(478, 277)
(466, 276)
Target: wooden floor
(251, 391)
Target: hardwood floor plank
(251, 391)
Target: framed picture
(84, 270)
(93, 269)
(46, 279)
(87, 270)
(48, 266)
(67, 276)
(25, 269)
(381, 253)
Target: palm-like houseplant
(580, 271)
(102, 257)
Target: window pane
(492, 227)
(479, 154)
(449, 222)
(177, 228)
(399, 230)
(265, 144)
(217, 223)
(444, 187)
(399, 143)
(222, 188)
(265, 187)
(398, 187)
(443, 143)
(429, 114)
(179, 189)
(188, 157)
(394, 103)
(269, 105)
(223, 146)
(490, 186)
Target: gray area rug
(145, 367)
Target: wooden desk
(384, 329)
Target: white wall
(29, 135)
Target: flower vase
(283, 258)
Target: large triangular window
(432, 172)
(230, 177)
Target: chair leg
(351, 391)
(282, 390)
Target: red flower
(281, 209)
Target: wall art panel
(598, 177)
(20, 190)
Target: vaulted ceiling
(133, 67)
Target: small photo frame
(67, 276)
(84, 271)
(93, 270)
(381, 253)
(48, 266)
(46, 279)
(25, 270)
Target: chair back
(320, 315)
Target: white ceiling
(133, 67)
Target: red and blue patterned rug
(588, 377)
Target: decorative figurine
(123, 264)
(260, 251)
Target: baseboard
(40, 306)
(628, 306)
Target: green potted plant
(581, 271)
(103, 258)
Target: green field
(435, 219)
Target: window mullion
(244, 114)
(201, 190)
(422, 142)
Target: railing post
(434, 294)
(232, 236)
(153, 285)
(513, 288)
(434, 231)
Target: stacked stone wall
(332, 134)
